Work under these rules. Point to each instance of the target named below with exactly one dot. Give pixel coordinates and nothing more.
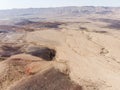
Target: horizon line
(59, 7)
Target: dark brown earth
(49, 80)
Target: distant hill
(58, 11)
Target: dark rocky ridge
(112, 23)
(50, 80)
(42, 52)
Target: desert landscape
(64, 48)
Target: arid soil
(67, 55)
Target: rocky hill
(60, 11)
